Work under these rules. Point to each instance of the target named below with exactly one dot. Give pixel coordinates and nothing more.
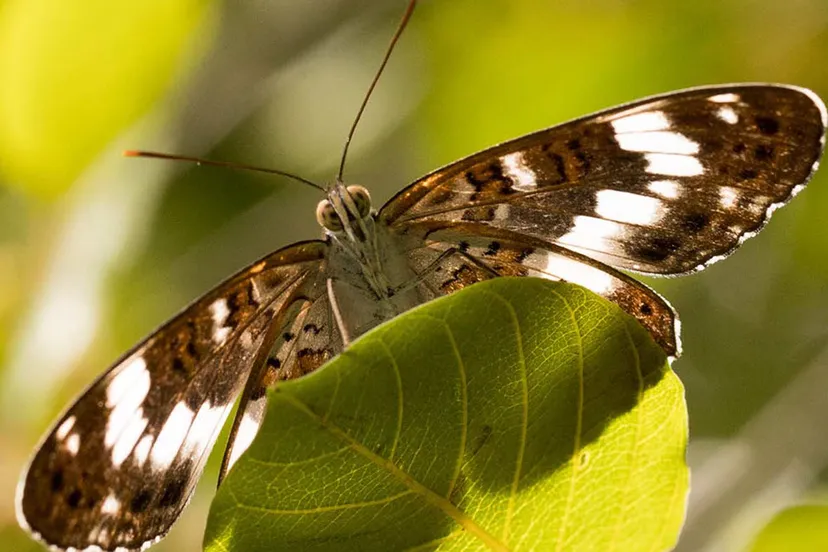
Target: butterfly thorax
(368, 270)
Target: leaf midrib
(430, 496)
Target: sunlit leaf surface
(514, 415)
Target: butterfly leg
(337, 314)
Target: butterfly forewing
(663, 186)
(122, 462)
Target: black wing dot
(494, 247)
(658, 249)
(192, 351)
(560, 167)
(74, 498)
(57, 481)
(178, 366)
(312, 328)
(763, 152)
(524, 254)
(172, 493)
(258, 393)
(574, 144)
(748, 174)
(767, 125)
(140, 502)
(696, 222)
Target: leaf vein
(464, 410)
(524, 425)
(398, 378)
(428, 495)
(325, 509)
(633, 451)
(579, 420)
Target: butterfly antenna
(400, 28)
(238, 166)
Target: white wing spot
(648, 121)
(658, 142)
(142, 449)
(219, 312)
(220, 335)
(73, 444)
(579, 273)
(111, 505)
(724, 98)
(727, 114)
(125, 381)
(205, 425)
(592, 234)
(515, 167)
(673, 165)
(129, 436)
(246, 340)
(248, 428)
(668, 189)
(128, 400)
(728, 197)
(171, 437)
(64, 428)
(627, 207)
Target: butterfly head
(345, 212)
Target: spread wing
(125, 457)
(663, 186)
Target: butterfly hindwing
(306, 337)
(123, 460)
(482, 252)
(664, 185)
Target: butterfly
(662, 186)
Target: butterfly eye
(362, 200)
(327, 217)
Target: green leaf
(802, 528)
(517, 414)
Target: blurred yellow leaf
(75, 73)
(801, 528)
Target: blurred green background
(96, 249)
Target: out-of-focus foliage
(801, 528)
(244, 80)
(76, 73)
